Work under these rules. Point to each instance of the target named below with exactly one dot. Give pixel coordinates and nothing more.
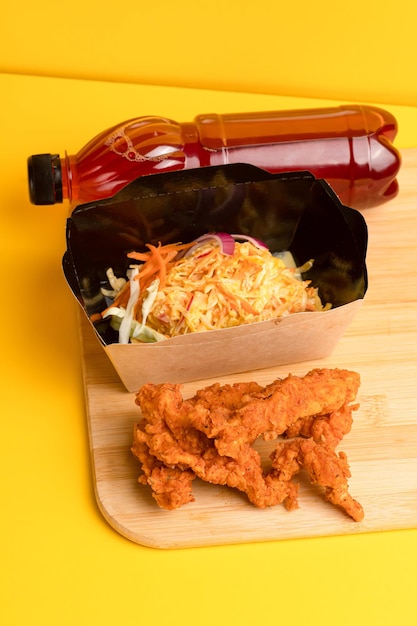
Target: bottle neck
(70, 186)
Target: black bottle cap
(45, 178)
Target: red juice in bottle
(349, 146)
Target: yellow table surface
(61, 563)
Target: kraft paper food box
(292, 212)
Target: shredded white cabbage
(126, 323)
(123, 318)
(116, 284)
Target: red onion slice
(226, 242)
(256, 242)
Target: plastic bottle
(349, 146)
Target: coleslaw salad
(217, 281)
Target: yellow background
(357, 50)
(61, 564)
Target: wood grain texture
(381, 344)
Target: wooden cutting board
(380, 344)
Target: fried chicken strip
(253, 411)
(328, 430)
(171, 486)
(324, 467)
(283, 403)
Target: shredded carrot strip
(155, 264)
(121, 299)
(95, 317)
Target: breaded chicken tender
(324, 467)
(211, 436)
(328, 430)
